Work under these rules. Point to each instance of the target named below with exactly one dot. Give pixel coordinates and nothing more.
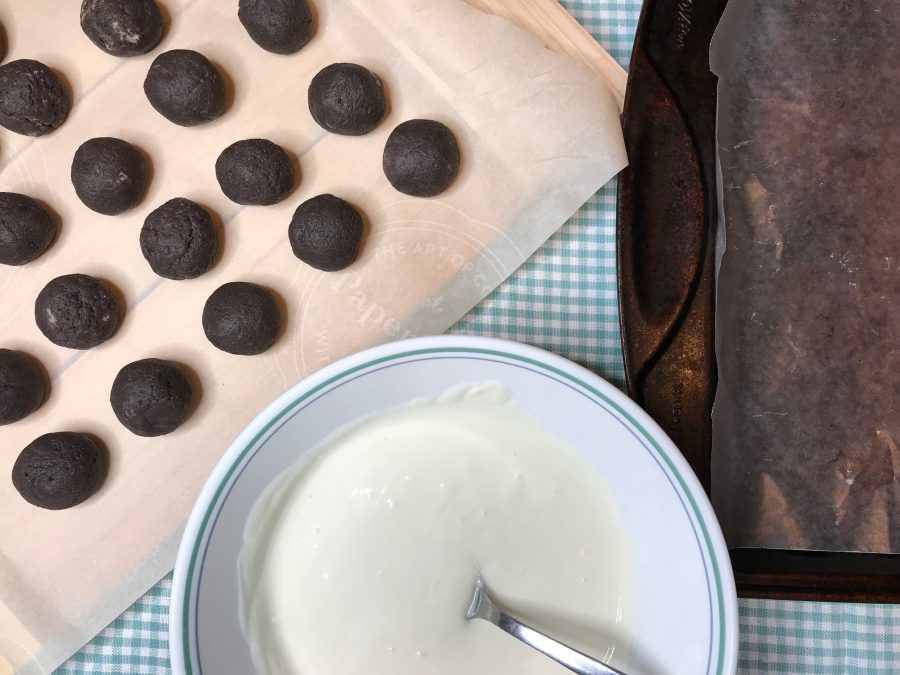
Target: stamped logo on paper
(415, 278)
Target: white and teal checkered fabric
(564, 300)
(819, 638)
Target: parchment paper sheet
(807, 415)
(539, 135)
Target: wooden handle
(559, 31)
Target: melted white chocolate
(363, 558)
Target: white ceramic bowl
(687, 608)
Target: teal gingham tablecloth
(564, 300)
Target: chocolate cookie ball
(179, 240)
(26, 229)
(122, 27)
(151, 397)
(326, 233)
(347, 99)
(76, 311)
(185, 88)
(421, 158)
(59, 470)
(241, 318)
(255, 172)
(21, 386)
(33, 101)
(278, 26)
(109, 175)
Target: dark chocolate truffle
(151, 397)
(26, 229)
(179, 240)
(326, 233)
(21, 386)
(59, 470)
(347, 99)
(33, 101)
(255, 172)
(421, 158)
(279, 26)
(76, 311)
(185, 88)
(241, 318)
(122, 27)
(109, 175)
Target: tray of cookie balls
(203, 202)
(179, 239)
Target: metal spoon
(483, 607)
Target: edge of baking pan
(667, 215)
(816, 575)
(666, 223)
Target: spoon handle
(566, 656)
(483, 607)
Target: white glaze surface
(363, 558)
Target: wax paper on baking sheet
(539, 136)
(807, 414)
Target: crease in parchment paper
(539, 135)
(805, 420)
